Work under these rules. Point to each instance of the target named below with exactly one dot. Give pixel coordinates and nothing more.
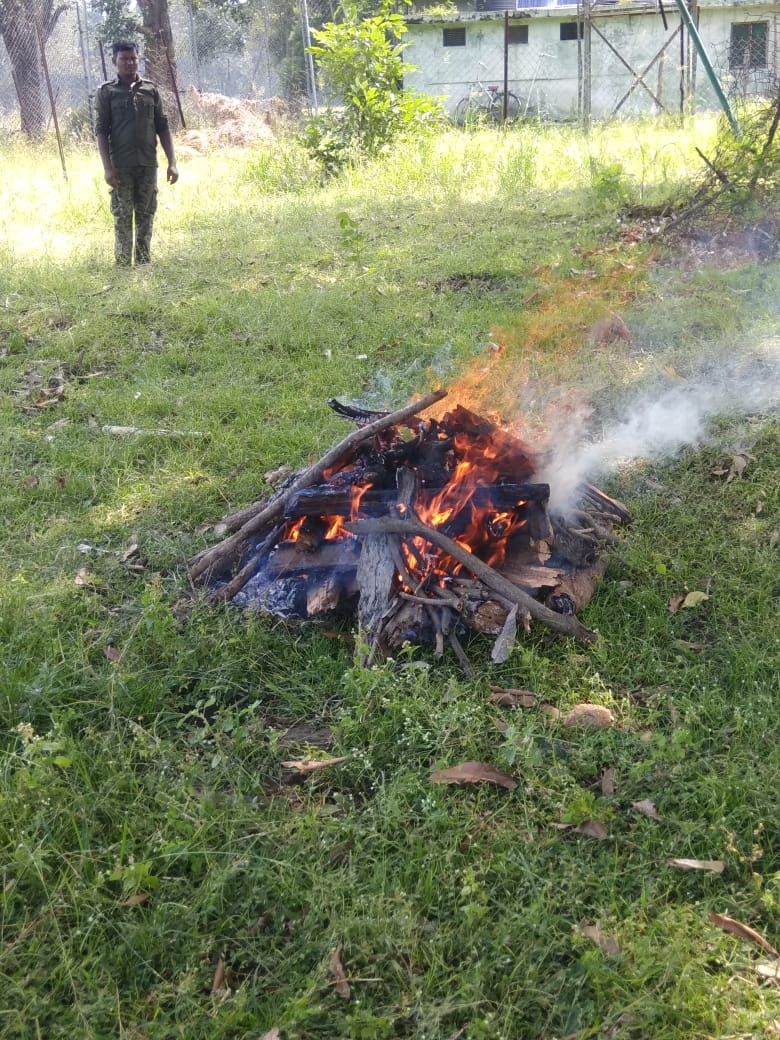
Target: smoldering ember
(420, 530)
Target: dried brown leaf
(593, 715)
(774, 538)
(608, 943)
(136, 899)
(590, 828)
(29, 482)
(683, 644)
(675, 602)
(550, 709)
(714, 866)
(608, 781)
(742, 931)
(769, 970)
(130, 552)
(738, 464)
(512, 698)
(473, 773)
(84, 578)
(341, 985)
(593, 829)
(310, 765)
(646, 808)
(112, 653)
(218, 982)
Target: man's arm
(109, 172)
(102, 131)
(166, 140)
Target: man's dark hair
(123, 45)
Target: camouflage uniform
(132, 117)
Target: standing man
(129, 120)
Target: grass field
(162, 876)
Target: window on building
(453, 37)
(571, 30)
(517, 34)
(748, 48)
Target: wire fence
(594, 60)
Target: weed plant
(163, 874)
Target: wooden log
(568, 625)
(214, 559)
(337, 501)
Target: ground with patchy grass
(164, 874)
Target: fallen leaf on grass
(29, 482)
(85, 578)
(693, 599)
(608, 943)
(769, 970)
(310, 765)
(590, 828)
(774, 538)
(136, 899)
(512, 698)
(111, 652)
(683, 644)
(594, 715)
(675, 602)
(272, 1034)
(473, 773)
(714, 866)
(742, 931)
(738, 465)
(608, 781)
(129, 553)
(646, 808)
(341, 986)
(218, 982)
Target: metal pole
(310, 77)
(587, 68)
(45, 65)
(690, 25)
(194, 44)
(84, 45)
(505, 102)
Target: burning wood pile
(422, 529)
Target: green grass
(148, 831)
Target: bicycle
(485, 104)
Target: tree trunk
(159, 54)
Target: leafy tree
(361, 58)
(24, 26)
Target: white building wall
(545, 70)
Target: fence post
(194, 44)
(586, 66)
(505, 102)
(45, 65)
(309, 58)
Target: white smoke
(658, 424)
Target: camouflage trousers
(136, 197)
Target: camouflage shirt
(131, 117)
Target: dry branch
(567, 624)
(265, 514)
